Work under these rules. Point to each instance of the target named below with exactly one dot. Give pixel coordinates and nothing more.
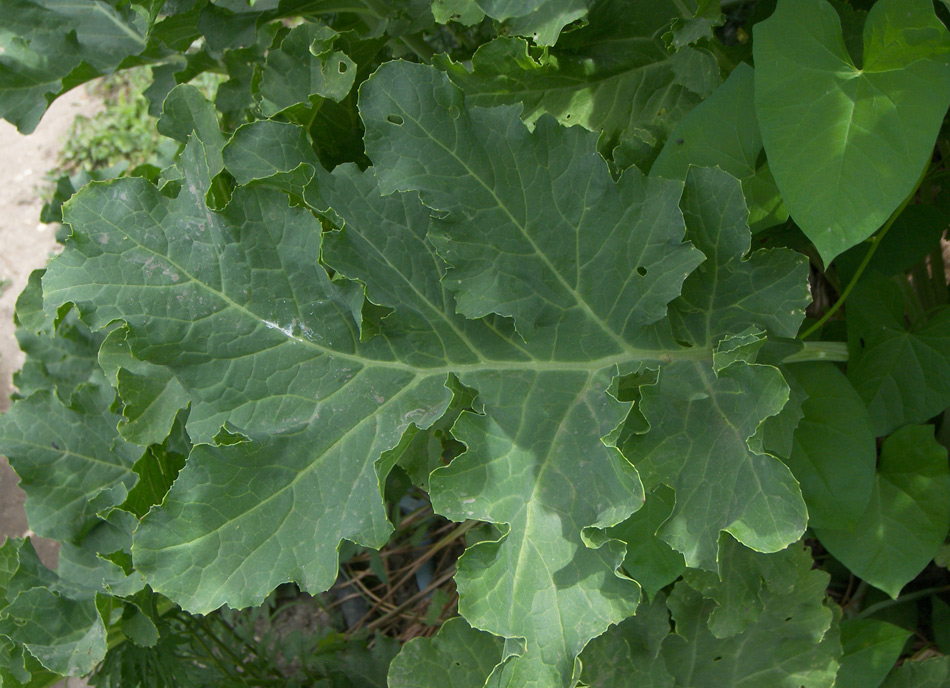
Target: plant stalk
(820, 351)
(910, 597)
(875, 242)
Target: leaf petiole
(875, 242)
(820, 351)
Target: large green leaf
(700, 420)
(722, 131)
(66, 455)
(282, 378)
(649, 560)
(47, 47)
(631, 653)
(847, 143)
(908, 516)
(65, 634)
(518, 468)
(834, 454)
(542, 20)
(901, 370)
(297, 388)
(615, 76)
(458, 656)
(930, 673)
(870, 648)
(540, 248)
(305, 66)
(791, 641)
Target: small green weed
(122, 132)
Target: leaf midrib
(621, 343)
(626, 355)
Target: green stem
(875, 242)
(820, 351)
(417, 45)
(224, 649)
(937, 174)
(910, 597)
(856, 598)
(211, 656)
(729, 4)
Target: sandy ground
(25, 244)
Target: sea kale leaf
(316, 319)
(615, 76)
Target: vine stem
(910, 597)
(417, 45)
(875, 242)
(819, 351)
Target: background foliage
(561, 342)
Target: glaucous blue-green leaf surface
(614, 76)
(631, 653)
(791, 642)
(541, 242)
(65, 454)
(305, 66)
(723, 132)
(902, 371)
(543, 437)
(701, 421)
(907, 518)
(847, 142)
(649, 560)
(541, 20)
(834, 452)
(540, 248)
(458, 656)
(296, 390)
(48, 47)
(292, 363)
(65, 635)
(870, 648)
(60, 353)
